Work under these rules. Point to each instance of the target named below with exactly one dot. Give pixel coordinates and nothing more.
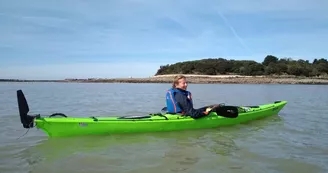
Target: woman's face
(182, 84)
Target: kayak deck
(71, 126)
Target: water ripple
(294, 141)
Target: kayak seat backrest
(134, 117)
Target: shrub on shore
(271, 65)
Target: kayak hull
(70, 126)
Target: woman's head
(180, 82)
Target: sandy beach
(228, 79)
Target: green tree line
(271, 65)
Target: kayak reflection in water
(179, 100)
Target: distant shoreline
(200, 79)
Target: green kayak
(59, 124)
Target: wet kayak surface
(293, 141)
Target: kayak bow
(71, 126)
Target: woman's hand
(212, 107)
(208, 109)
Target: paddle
(224, 111)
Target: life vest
(171, 103)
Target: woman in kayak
(179, 100)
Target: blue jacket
(173, 106)
(180, 101)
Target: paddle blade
(227, 111)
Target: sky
(108, 39)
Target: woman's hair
(176, 80)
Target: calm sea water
(294, 141)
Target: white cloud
(81, 70)
(259, 6)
